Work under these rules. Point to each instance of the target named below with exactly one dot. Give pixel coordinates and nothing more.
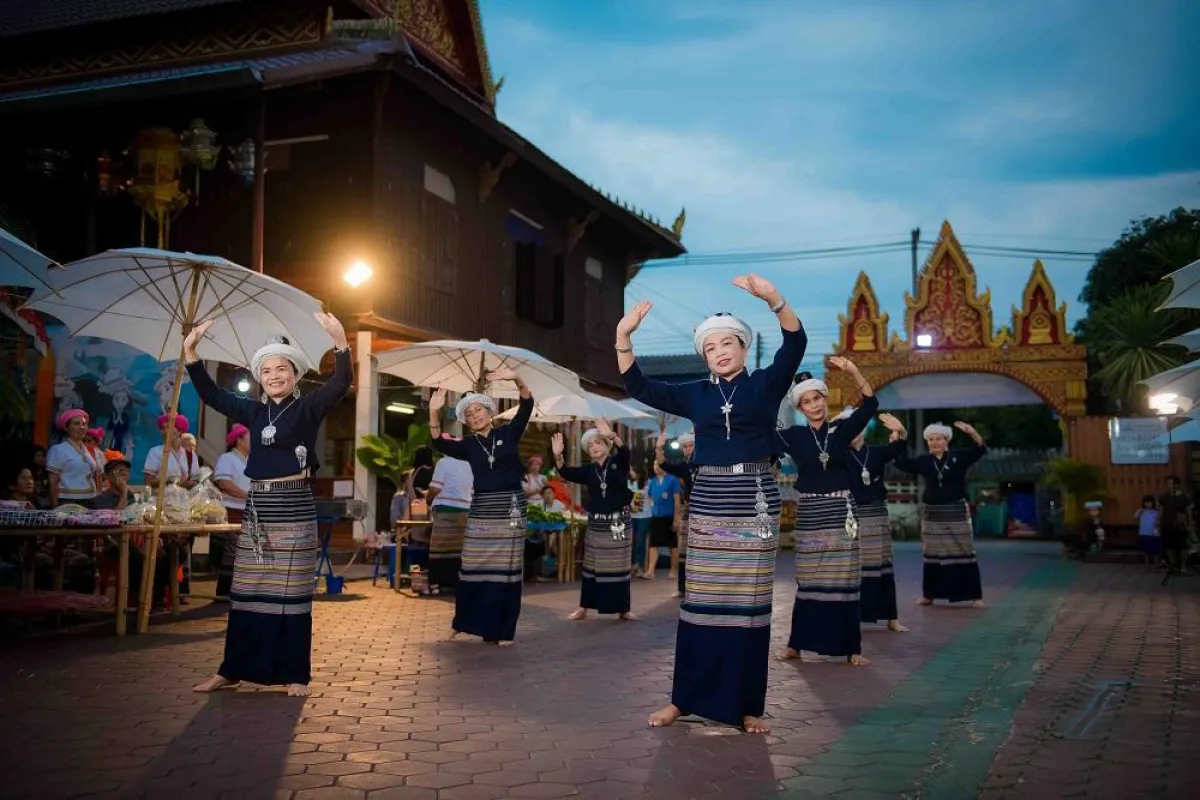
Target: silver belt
(749, 468)
(840, 494)
(610, 515)
(271, 486)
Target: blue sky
(783, 124)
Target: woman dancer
(488, 602)
(449, 501)
(609, 540)
(867, 463)
(73, 470)
(685, 473)
(951, 570)
(269, 638)
(230, 477)
(826, 615)
(721, 651)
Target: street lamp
(1164, 404)
(359, 273)
(924, 340)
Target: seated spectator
(115, 494)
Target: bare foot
(213, 684)
(629, 616)
(924, 601)
(976, 604)
(791, 654)
(664, 716)
(894, 625)
(505, 643)
(754, 725)
(298, 690)
(677, 596)
(577, 614)
(452, 637)
(858, 661)
(672, 576)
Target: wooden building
(349, 130)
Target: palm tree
(1127, 335)
(1079, 482)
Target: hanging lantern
(155, 184)
(200, 149)
(243, 161)
(104, 177)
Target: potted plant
(390, 458)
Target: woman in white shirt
(73, 471)
(230, 477)
(182, 466)
(534, 481)
(449, 499)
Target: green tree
(390, 458)
(1147, 250)
(1079, 482)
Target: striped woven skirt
(875, 553)
(269, 639)
(722, 646)
(445, 545)
(826, 614)
(488, 602)
(606, 556)
(951, 571)
(228, 553)
(681, 584)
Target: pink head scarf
(64, 419)
(97, 434)
(236, 432)
(181, 423)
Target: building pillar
(366, 422)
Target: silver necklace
(822, 449)
(866, 473)
(268, 433)
(727, 407)
(602, 474)
(491, 454)
(937, 465)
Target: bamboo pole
(147, 589)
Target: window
(539, 278)
(439, 184)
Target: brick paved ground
(397, 714)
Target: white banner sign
(1138, 440)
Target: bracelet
(775, 309)
(620, 349)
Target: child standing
(1149, 536)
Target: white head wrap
(279, 346)
(723, 323)
(939, 429)
(810, 385)
(588, 435)
(687, 438)
(1093, 504)
(470, 398)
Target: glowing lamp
(924, 340)
(358, 274)
(243, 385)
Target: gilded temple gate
(948, 329)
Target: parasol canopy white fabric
(1189, 431)
(145, 298)
(1178, 387)
(462, 366)
(21, 265)
(569, 407)
(1185, 287)
(1190, 341)
(676, 426)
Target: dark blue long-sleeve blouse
(874, 459)
(685, 471)
(952, 469)
(614, 496)
(505, 472)
(296, 420)
(754, 399)
(806, 444)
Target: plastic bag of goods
(205, 501)
(177, 505)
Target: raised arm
(656, 394)
(572, 474)
(237, 408)
(520, 420)
(335, 388)
(861, 416)
(795, 342)
(913, 465)
(970, 455)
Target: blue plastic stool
(390, 549)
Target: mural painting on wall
(123, 389)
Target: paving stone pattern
(396, 713)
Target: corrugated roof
(666, 366)
(22, 17)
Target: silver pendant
(618, 530)
(514, 514)
(268, 435)
(851, 523)
(824, 459)
(727, 409)
(604, 488)
(491, 461)
(866, 477)
(302, 456)
(762, 516)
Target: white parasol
(461, 366)
(1190, 341)
(1185, 287)
(675, 426)
(150, 299)
(1179, 387)
(586, 405)
(21, 265)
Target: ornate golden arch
(1037, 350)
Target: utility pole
(918, 414)
(758, 351)
(916, 238)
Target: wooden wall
(1087, 440)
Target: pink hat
(181, 423)
(64, 419)
(236, 432)
(96, 433)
